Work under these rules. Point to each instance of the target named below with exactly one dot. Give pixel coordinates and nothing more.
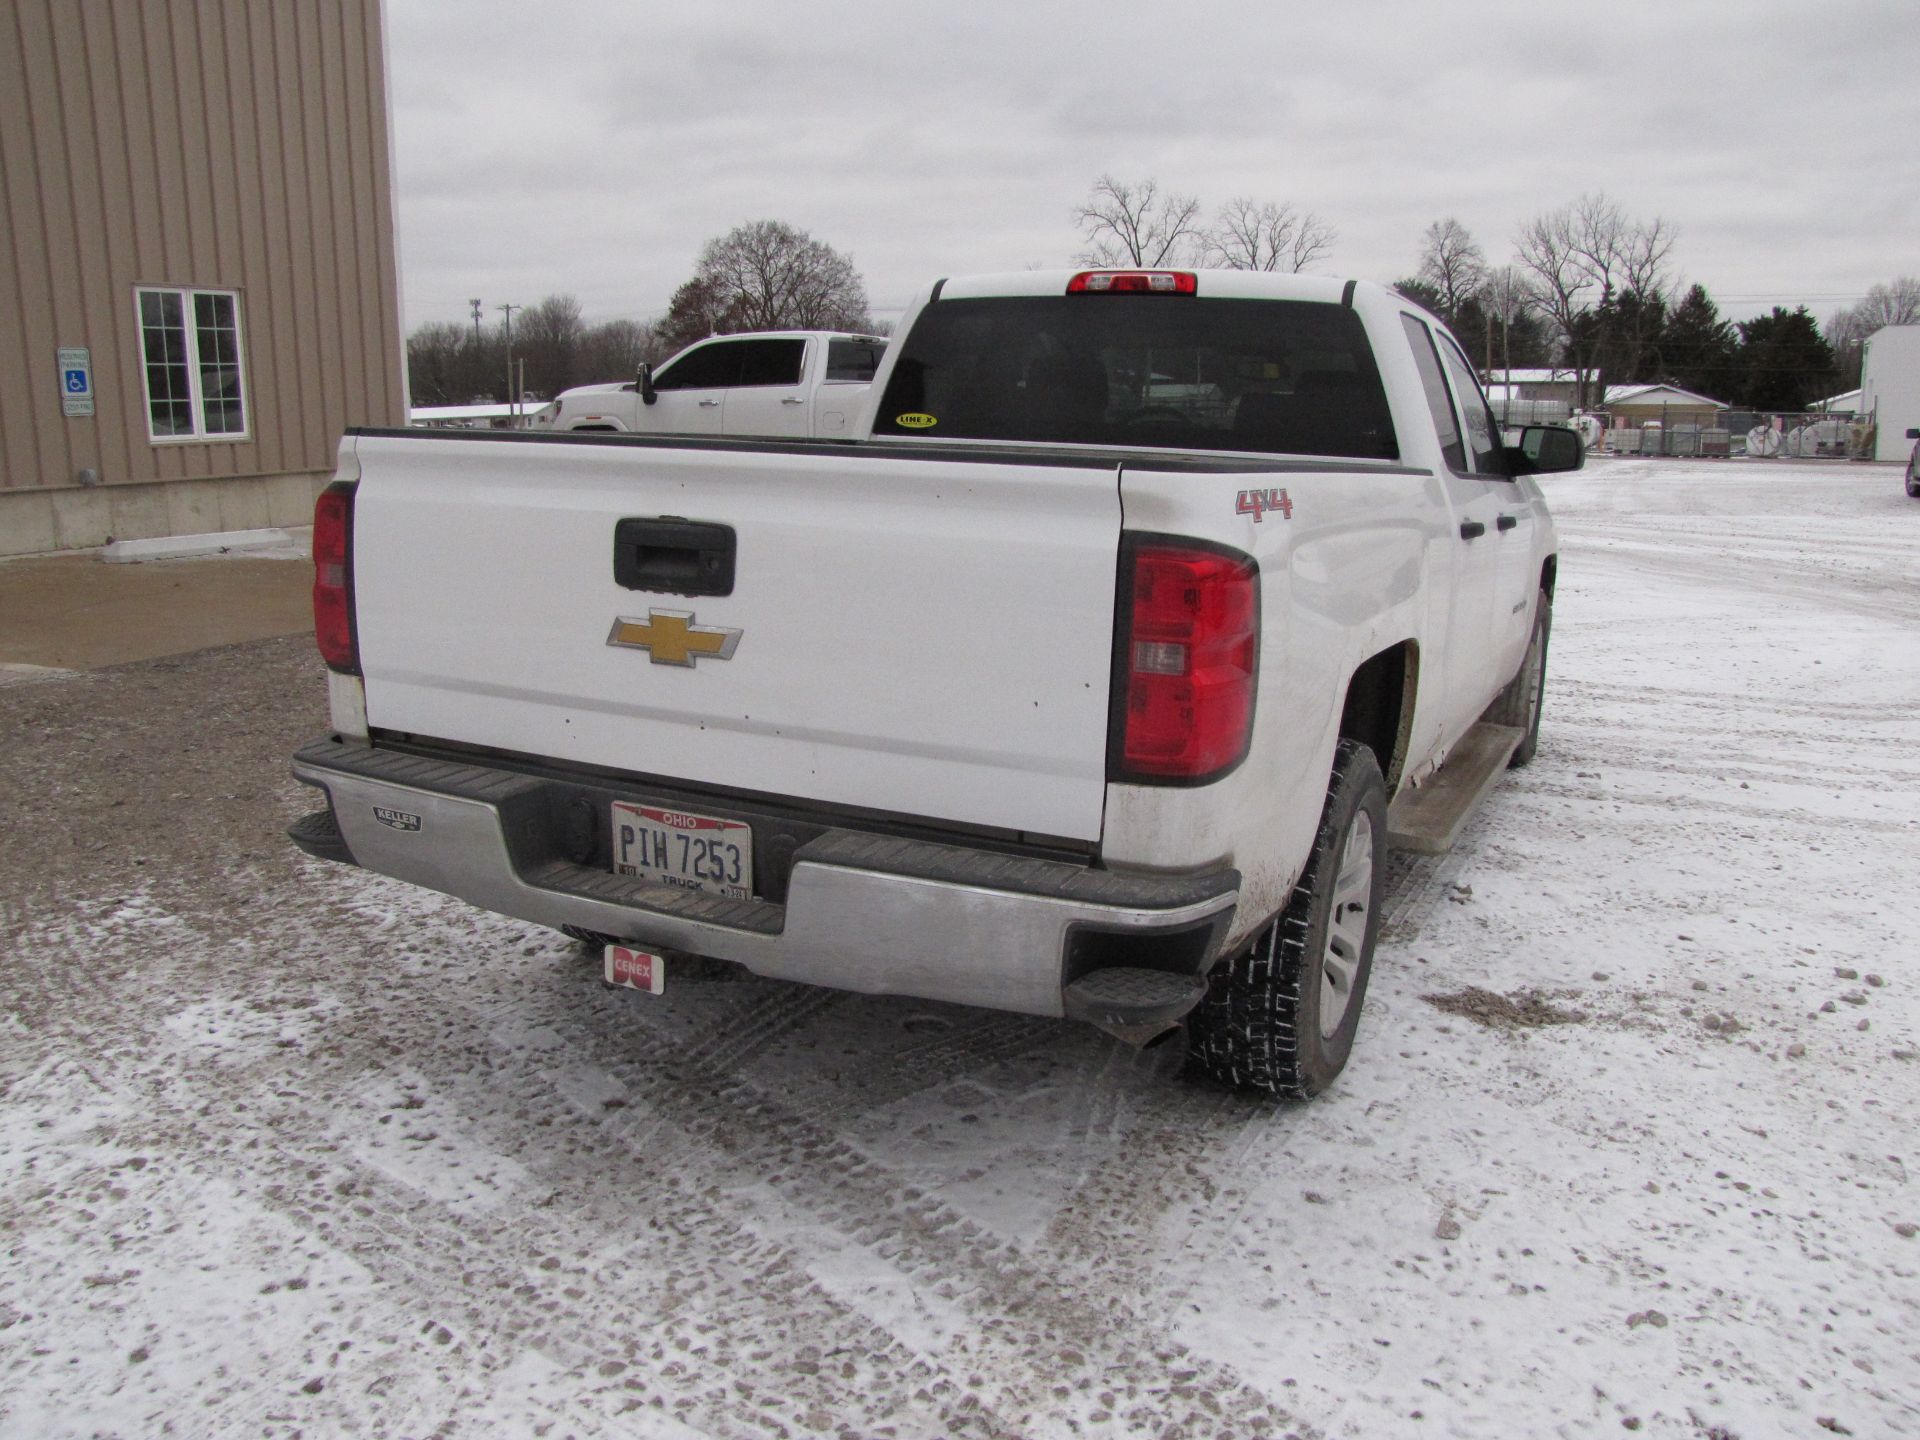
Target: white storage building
(1890, 388)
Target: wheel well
(1379, 708)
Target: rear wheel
(1280, 1017)
(1519, 704)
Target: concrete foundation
(74, 517)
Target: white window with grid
(190, 342)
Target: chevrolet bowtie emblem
(671, 638)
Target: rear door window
(771, 362)
(708, 367)
(853, 361)
(1267, 376)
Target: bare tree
(616, 349)
(547, 337)
(1133, 223)
(1579, 259)
(1453, 264)
(767, 275)
(1848, 331)
(1252, 235)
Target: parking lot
(1626, 1144)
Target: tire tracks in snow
(1017, 1329)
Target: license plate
(636, 969)
(694, 852)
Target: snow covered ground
(1627, 1144)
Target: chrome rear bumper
(869, 913)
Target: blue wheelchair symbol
(76, 382)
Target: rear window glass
(854, 360)
(1269, 376)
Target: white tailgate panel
(926, 637)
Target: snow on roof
(1659, 395)
(1519, 376)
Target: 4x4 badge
(1258, 502)
(671, 638)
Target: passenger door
(770, 394)
(1511, 528)
(1471, 555)
(691, 391)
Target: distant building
(1890, 388)
(1629, 407)
(199, 254)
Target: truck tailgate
(928, 637)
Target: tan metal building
(197, 263)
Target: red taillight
(1189, 664)
(333, 578)
(1134, 282)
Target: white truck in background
(1088, 677)
(775, 382)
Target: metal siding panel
(142, 199)
(121, 398)
(175, 260)
(266, 384)
(49, 270)
(343, 205)
(24, 256)
(297, 299)
(80, 306)
(278, 344)
(323, 346)
(393, 347)
(223, 237)
(359, 127)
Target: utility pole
(513, 397)
(475, 303)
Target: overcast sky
(592, 148)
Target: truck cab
(793, 383)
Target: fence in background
(1813, 436)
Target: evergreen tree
(1698, 350)
(1785, 362)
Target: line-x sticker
(1258, 502)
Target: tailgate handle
(674, 556)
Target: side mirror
(1913, 434)
(645, 381)
(1547, 450)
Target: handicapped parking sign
(76, 381)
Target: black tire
(1260, 1025)
(1519, 705)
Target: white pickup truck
(773, 382)
(1086, 679)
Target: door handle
(708, 404)
(673, 556)
(1471, 529)
(793, 400)
(1506, 522)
